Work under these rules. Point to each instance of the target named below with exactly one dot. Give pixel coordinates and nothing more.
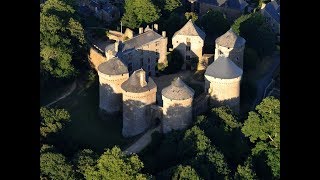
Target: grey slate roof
(113, 66)
(230, 39)
(274, 10)
(190, 29)
(110, 47)
(223, 68)
(233, 4)
(133, 83)
(178, 90)
(136, 41)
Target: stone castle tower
(223, 83)
(189, 41)
(232, 46)
(177, 106)
(112, 74)
(138, 96)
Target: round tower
(138, 96)
(112, 74)
(223, 83)
(177, 106)
(232, 46)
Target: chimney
(147, 28)
(164, 33)
(116, 46)
(143, 81)
(155, 27)
(140, 30)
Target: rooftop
(190, 29)
(223, 68)
(230, 39)
(178, 90)
(274, 10)
(136, 41)
(233, 4)
(133, 84)
(113, 66)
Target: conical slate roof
(230, 39)
(190, 29)
(223, 68)
(133, 83)
(178, 90)
(113, 66)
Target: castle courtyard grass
(87, 128)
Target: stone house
(232, 8)
(189, 41)
(271, 11)
(144, 50)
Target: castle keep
(135, 94)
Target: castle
(126, 82)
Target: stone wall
(137, 112)
(177, 114)
(235, 54)
(96, 58)
(200, 104)
(110, 92)
(179, 42)
(224, 92)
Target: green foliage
(85, 159)
(225, 114)
(263, 128)
(114, 164)
(191, 15)
(171, 5)
(54, 166)
(52, 120)
(173, 24)
(175, 61)
(138, 12)
(62, 41)
(185, 173)
(257, 33)
(214, 23)
(245, 171)
(250, 58)
(194, 142)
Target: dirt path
(73, 87)
(142, 142)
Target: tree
(263, 128)
(225, 114)
(54, 166)
(175, 61)
(185, 173)
(62, 42)
(245, 171)
(194, 142)
(52, 120)
(191, 15)
(173, 24)
(139, 12)
(257, 33)
(171, 5)
(114, 164)
(250, 58)
(84, 159)
(214, 23)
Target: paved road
(263, 82)
(142, 142)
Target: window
(130, 67)
(187, 58)
(237, 59)
(148, 67)
(149, 73)
(187, 48)
(188, 40)
(141, 62)
(157, 43)
(157, 50)
(148, 60)
(220, 52)
(177, 41)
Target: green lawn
(87, 128)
